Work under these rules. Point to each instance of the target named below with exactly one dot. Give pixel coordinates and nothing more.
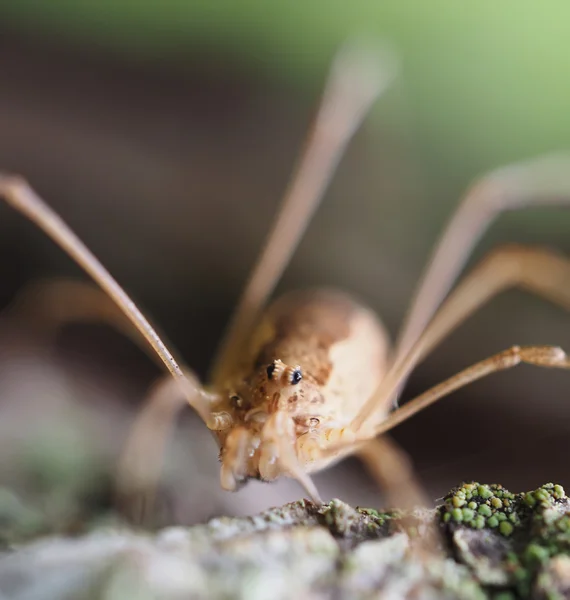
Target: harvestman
(313, 378)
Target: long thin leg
(51, 304)
(357, 77)
(386, 464)
(540, 271)
(392, 470)
(137, 472)
(541, 356)
(18, 194)
(541, 181)
(140, 463)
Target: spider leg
(392, 470)
(541, 356)
(137, 471)
(541, 181)
(51, 304)
(20, 196)
(386, 462)
(540, 271)
(358, 75)
(140, 463)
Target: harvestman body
(313, 378)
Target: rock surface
(494, 544)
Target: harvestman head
(275, 403)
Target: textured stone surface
(301, 551)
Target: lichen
(548, 537)
(477, 506)
(496, 544)
(519, 535)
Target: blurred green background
(165, 133)
(488, 77)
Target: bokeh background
(165, 132)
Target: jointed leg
(541, 181)
(537, 270)
(20, 196)
(17, 193)
(52, 304)
(541, 356)
(355, 80)
(540, 271)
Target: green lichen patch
(379, 517)
(510, 540)
(481, 506)
(553, 580)
(548, 538)
(495, 544)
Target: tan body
(309, 380)
(341, 349)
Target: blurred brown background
(164, 133)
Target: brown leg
(52, 304)
(140, 463)
(541, 356)
(357, 77)
(147, 436)
(141, 460)
(392, 470)
(49, 305)
(540, 271)
(20, 196)
(538, 182)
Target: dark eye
(296, 376)
(270, 370)
(236, 401)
